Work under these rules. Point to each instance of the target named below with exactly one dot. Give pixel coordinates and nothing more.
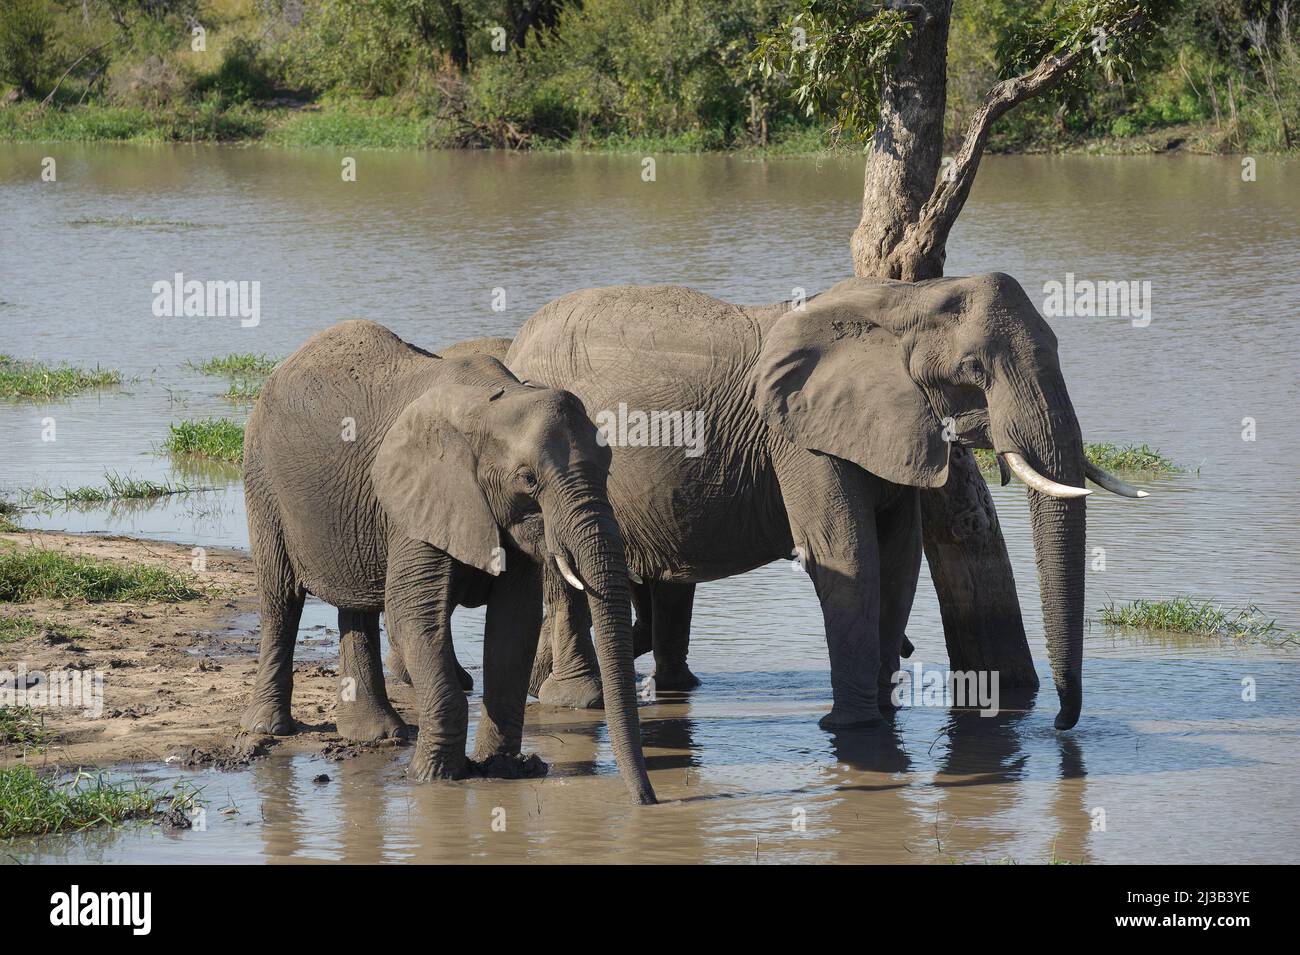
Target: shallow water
(1184, 769)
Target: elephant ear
(425, 476)
(834, 379)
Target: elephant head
(486, 456)
(885, 374)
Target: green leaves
(832, 53)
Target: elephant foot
(850, 718)
(513, 766)
(427, 765)
(679, 678)
(397, 667)
(466, 681)
(271, 718)
(369, 724)
(579, 693)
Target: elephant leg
(418, 605)
(397, 669)
(510, 634)
(671, 622)
(364, 713)
(898, 538)
(543, 661)
(832, 524)
(575, 676)
(643, 628)
(280, 600)
(396, 665)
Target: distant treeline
(1224, 76)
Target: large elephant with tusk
(821, 423)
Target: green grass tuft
(213, 438)
(13, 629)
(118, 487)
(1199, 618)
(34, 805)
(1131, 458)
(247, 365)
(21, 726)
(36, 574)
(243, 391)
(26, 380)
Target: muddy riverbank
(175, 676)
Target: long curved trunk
(590, 534)
(1052, 444)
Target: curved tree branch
(93, 49)
(950, 192)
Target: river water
(1169, 763)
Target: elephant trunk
(589, 532)
(1050, 442)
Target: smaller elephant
(381, 477)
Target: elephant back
(613, 335)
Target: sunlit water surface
(1169, 762)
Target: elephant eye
(528, 479)
(973, 369)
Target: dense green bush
(26, 28)
(672, 72)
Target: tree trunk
(962, 537)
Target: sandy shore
(176, 676)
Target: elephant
(382, 477)
(822, 420)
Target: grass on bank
(1133, 458)
(37, 574)
(23, 727)
(31, 804)
(217, 438)
(117, 487)
(16, 628)
(29, 380)
(1199, 618)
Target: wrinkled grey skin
(821, 426)
(454, 467)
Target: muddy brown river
(1168, 764)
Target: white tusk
(567, 572)
(1035, 481)
(1111, 483)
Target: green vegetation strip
(25, 380)
(243, 391)
(23, 628)
(36, 574)
(21, 726)
(1199, 618)
(1217, 75)
(247, 365)
(34, 805)
(1133, 458)
(212, 438)
(117, 487)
